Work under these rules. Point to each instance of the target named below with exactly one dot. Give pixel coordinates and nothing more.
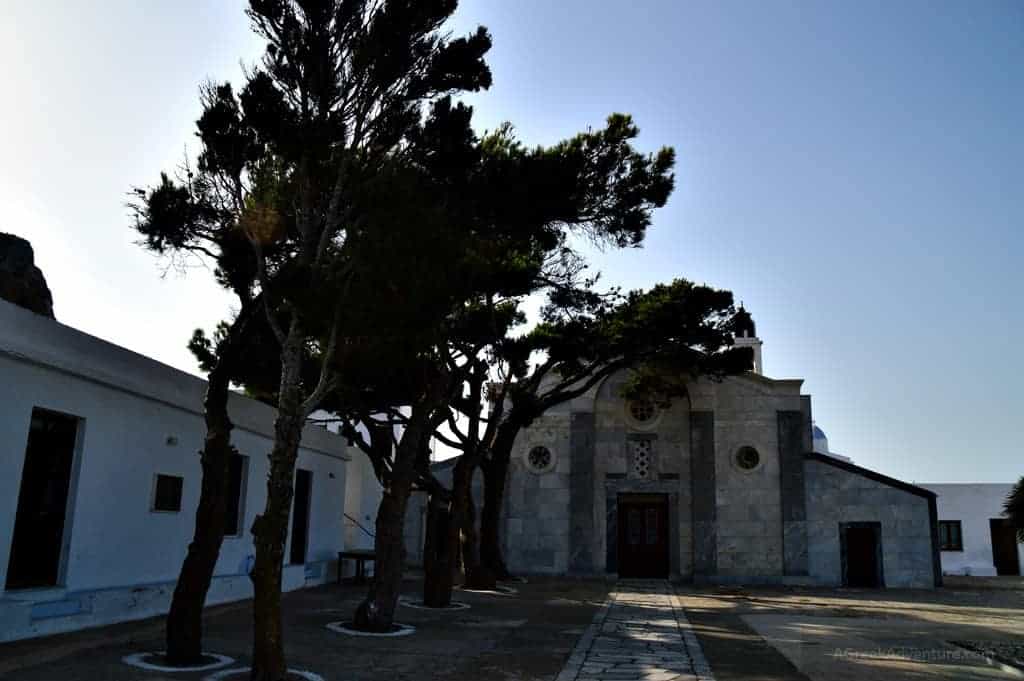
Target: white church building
(100, 478)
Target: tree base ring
(349, 630)
(139, 660)
(500, 590)
(227, 673)
(419, 605)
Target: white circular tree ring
(419, 605)
(228, 673)
(139, 660)
(500, 590)
(347, 629)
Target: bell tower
(746, 336)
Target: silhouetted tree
(380, 227)
(331, 106)
(516, 208)
(338, 96)
(197, 218)
(1014, 508)
(667, 336)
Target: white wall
(138, 418)
(973, 505)
(362, 498)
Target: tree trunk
(437, 587)
(478, 575)
(184, 635)
(437, 567)
(470, 537)
(185, 619)
(377, 611)
(270, 529)
(462, 524)
(495, 476)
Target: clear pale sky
(853, 171)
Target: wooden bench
(361, 557)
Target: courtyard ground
(528, 635)
(861, 634)
(575, 630)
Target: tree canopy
(1014, 508)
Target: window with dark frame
(167, 493)
(950, 536)
(238, 468)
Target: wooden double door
(643, 546)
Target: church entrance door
(862, 555)
(643, 535)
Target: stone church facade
(721, 487)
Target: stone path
(641, 633)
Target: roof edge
(871, 475)
(33, 339)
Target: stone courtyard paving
(640, 633)
(573, 630)
(859, 634)
(521, 637)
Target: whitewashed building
(975, 538)
(100, 478)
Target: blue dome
(818, 433)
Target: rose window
(540, 459)
(747, 458)
(642, 411)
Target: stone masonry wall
(669, 437)
(835, 496)
(749, 502)
(537, 504)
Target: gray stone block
(795, 542)
(702, 492)
(581, 492)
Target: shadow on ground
(524, 637)
(853, 634)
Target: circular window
(747, 458)
(642, 411)
(539, 459)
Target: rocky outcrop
(21, 282)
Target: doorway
(861, 549)
(38, 539)
(1004, 547)
(300, 516)
(643, 535)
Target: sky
(853, 172)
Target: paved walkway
(641, 633)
